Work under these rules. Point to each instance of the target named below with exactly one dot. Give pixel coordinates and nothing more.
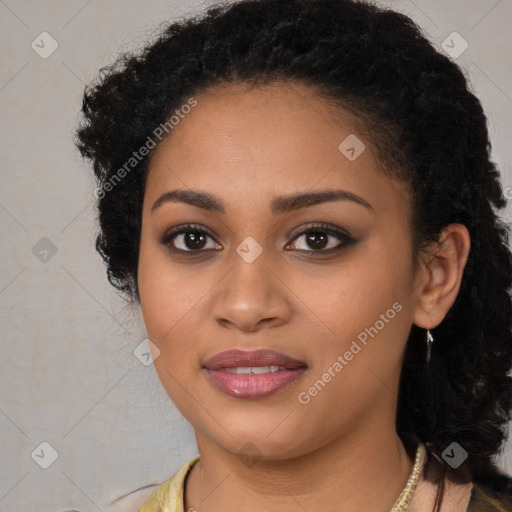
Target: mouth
(254, 374)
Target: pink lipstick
(254, 374)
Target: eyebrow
(279, 205)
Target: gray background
(69, 375)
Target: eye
(192, 238)
(188, 238)
(316, 236)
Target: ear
(440, 275)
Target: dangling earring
(430, 342)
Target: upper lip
(241, 358)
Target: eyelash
(345, 239)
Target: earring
(430, 342)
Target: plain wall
(69, 376)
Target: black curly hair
(416, 108)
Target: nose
(252, 295)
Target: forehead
(250, 143)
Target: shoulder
(168, 497)
(486, 499)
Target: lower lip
(253, 385)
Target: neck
(368, 467)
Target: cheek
(365, 318)
(172, 299)
(165, 294)
(353, 294)
(169, 316)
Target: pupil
(314, 237)
(193, 236)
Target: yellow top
(168, 497)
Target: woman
(299, 194)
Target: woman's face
(336, 303)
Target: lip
(263, 357)
(249, 386)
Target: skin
(247, 145)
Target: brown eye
(188, 239)
(194, 239)
(322, 239)
(317, 239)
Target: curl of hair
(415, 107)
